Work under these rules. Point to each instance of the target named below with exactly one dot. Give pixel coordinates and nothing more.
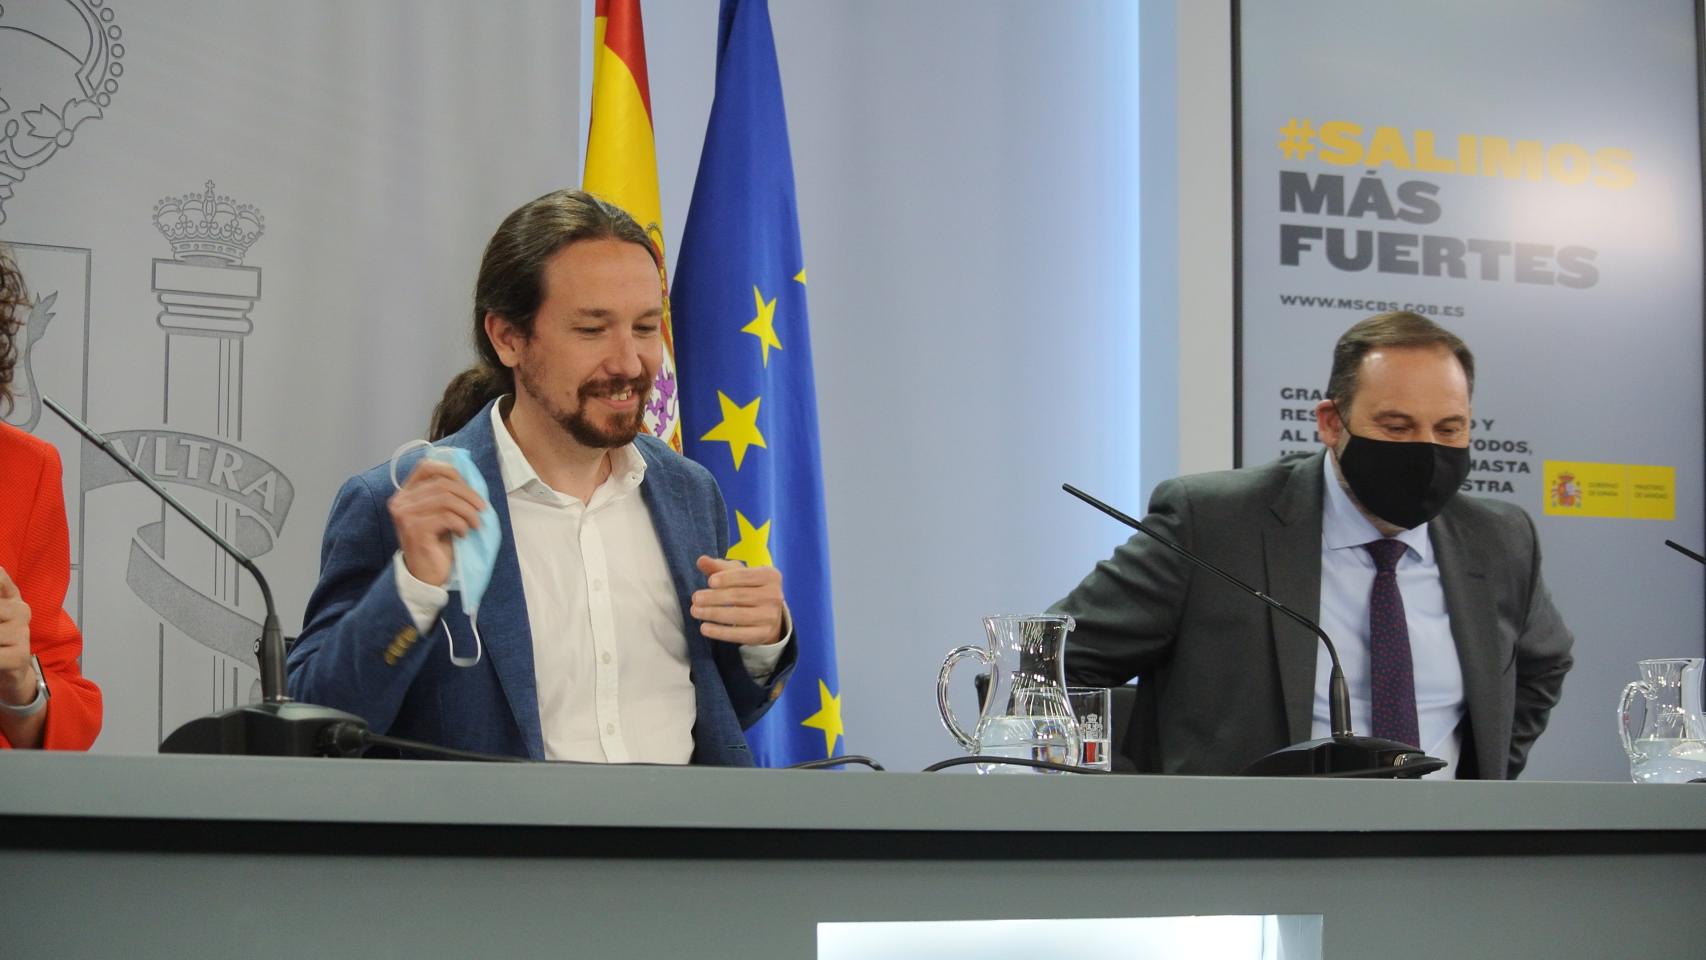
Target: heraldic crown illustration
(208, 226)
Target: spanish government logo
(206, 293)
(1565, 492)
(59, 69)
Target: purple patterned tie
(1393, 677)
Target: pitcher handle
(1623, 705)
(967, 741)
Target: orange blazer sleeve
(32, 503)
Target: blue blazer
(359, 650)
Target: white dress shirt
(609, 642)
(1347, 577)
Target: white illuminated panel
(1128, 938)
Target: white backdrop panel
(373, 147)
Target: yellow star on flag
(754, 546)
(763, 326)
(801, 276)
(739, 428)
(827, 719)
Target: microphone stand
(1341, 754)
(1690, 554)
(277, 726)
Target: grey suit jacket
(1225, 680)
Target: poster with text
(1527, 174)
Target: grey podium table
(104, 856)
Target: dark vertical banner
(1529, 176)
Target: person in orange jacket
(45, 701)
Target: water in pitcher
(1026, 737)
(1667, 761)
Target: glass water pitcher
(1670, 744)
(1024, 711)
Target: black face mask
(1405, 484)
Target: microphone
(1679, 548)
(277, 726)
(1342, 754)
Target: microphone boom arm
(271, 653)
(1338, 691)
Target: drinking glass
(1090, 706)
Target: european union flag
(748, 402)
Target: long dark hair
(13, 300)
(511, 284)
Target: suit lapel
(505, 632)
(1463, 578)
(1291, 548)
(663, 501)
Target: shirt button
(606, 656)
(610, 728)
(598, 584)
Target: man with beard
(610, 630)
(1448, 637)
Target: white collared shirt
(1347, 577)
(609, 642)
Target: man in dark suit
(1435, 600)
(611, 629)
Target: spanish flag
(622, 167)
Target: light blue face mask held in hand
(475, 552)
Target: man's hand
(433, 505)
(740, 604)
(17, 674)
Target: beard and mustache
(618, 432)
